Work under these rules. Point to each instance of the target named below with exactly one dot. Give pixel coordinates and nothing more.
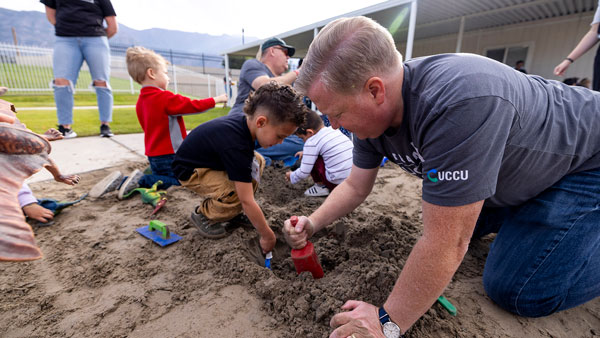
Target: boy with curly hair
(217, 160)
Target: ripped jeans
(68, 56)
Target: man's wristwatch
(390, 329)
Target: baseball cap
(278, 42)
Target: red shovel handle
(294, 220)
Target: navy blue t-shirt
(80, 17)
(223, 144)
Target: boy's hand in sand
(362, 320)
(38, 212)
(53, 135)
(297, 236)
(267, 242)
(67, 179)
(287, 175)
(221, 98)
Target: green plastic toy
(151, 196)
(447, 305)
(161, 227)
(159, 233)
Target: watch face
(391, 330)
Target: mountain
(33, 29)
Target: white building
(540, 32)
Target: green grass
(27, 76)
(81, 99)
(86, 121)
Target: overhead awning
(437, 18)
(389, 13)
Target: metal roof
(436, 18)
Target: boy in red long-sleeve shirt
(159, 112)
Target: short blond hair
(346, 53)
(140, 59)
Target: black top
(224, 144)
(80, 17)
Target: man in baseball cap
(270, 65)
(272, 42)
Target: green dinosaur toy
(151, 196)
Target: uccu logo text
(455, 175)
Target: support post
(411, 30)
(461, 30)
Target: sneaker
(208, 228)
(130, 183)
(67, 132)
(107, 184)
(105, 131)
(317, 190)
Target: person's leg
(319, 175)
(596, 78)
(67, 59)
(161, 170)
(546, 256)
(220, 200)
(96, 52)
(279, 152)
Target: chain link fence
(28, 70)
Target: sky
(258, 18)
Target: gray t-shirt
(251, 69)
(475, 129)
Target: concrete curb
(84, 154)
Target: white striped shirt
(336, 150)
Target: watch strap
(383, 316)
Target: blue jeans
(161, 170)
(546, 256)
(281, 152)
(69, 53)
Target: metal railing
(28, 70)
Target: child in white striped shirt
(326, 156)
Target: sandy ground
(100, 278)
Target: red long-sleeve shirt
(159, 113)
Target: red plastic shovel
(306, 259)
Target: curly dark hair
(282, 103)
(313, 121)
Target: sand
(99, 278)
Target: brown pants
(221, 203)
